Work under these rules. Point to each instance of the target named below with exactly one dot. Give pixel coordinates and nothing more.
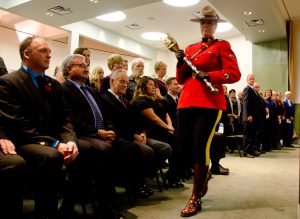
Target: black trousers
(92, 169)
(195, 130)
(44, 165)
(12, 181)
(106, 165)
(217, 149)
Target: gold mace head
(171, 43)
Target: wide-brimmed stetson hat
(207, 13)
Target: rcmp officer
(199, 110)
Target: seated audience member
(137, 71)
(171, 98)
(96, 78)
(12, 168)
(114, 62)
(87, 55)
(152, 115)
(3, 69)
(58, 74)
(35, 119)
(171, 101)
(125, 65)
(118, 110)
(91, 126)
(160, 71)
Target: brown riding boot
(205, 188)
(200, 179)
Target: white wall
(9, 44)
(243, 52)
(9, 51)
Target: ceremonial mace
(172, 45)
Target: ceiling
(151, 15)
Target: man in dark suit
(253, 118)
(34, 116)
(3, 69)
(12, 168)
(118, 110)
(85, 106)
(170, 101)
(171, 98)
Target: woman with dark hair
(153, 116)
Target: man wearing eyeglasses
(94, 130)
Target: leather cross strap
(204, 47)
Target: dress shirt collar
(32, 74)
(78, 85)
(174, 97)
(113, 93)
(207, 39)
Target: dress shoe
(147, 189)
(248, 155)
(219, 170)
(142, 193)
(175, 185)
(256, 153)
(192, 207)
(113, 214)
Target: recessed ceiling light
(49, 14)
(261, 31)
(181, 3)
(247, 13)
(115, 16)
(94, 1)
(154, 36)
(223, 27)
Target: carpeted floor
(256, 188)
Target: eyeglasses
(82, 65)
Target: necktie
(41, 82)
(122, 101)
(176, 100)
(96, 111)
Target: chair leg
(132, 198)
(158, 182)
(163, 176)
(84, 211)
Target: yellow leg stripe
(207, 150)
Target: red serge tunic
(219, 61)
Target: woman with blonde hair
(160, 69)
(114, 62)
(96, 78)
